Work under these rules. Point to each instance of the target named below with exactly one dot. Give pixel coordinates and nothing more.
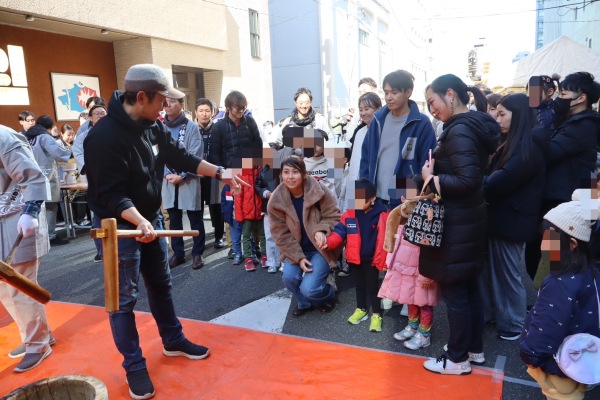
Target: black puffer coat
(571, 155)
(514, 194)
(229, 142)
(461, 158)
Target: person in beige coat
(23, 189)
(302, 213)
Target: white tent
(562, 56)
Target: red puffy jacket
(248, 205)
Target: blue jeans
(236, 237)
(196, 223)
(310, 289)
(149, 259)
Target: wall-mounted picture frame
(70, 91)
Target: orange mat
(243, 364)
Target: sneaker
(405, 333)
(474, 358)
(344, 270)
(358, 316)
(219, 244)
(510, 336)
(376, 321)
(256, 261)
(263, 261)
(140, 385)
(32, 360)
(237, 259)
(386, 304)
(249, 265)
(97, 258)
(185, 348)
(230, 254)
(20, 350)
(272, 269)
(443, 365)
(298, 312)
(404, 311)
(417, 341)
(331, 281)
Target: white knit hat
(568, 217)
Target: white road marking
(267, 314)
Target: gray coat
(189, 189)
(21, 180)
(47, 152)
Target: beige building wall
(213, 37)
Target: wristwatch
(219, 173)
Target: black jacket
(571, 155)
(229, 142)
(461, 158)
(125, 161)
(514, 195)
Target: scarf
(180, 120)
(296, 120)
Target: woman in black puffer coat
(458, 166)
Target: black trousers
(366, 280)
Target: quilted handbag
(579, 356)
(425, 224)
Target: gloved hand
(27, 224)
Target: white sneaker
(404, 311)
(386, 304)
(405, 333)
(445, 366)
(417, 341)
(331, 281)
(474, 358)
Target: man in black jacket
(125, 156)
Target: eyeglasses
(239, 108)
(99, 114)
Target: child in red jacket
(362, 227)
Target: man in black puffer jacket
(235, 135)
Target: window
(363, 37)
(254, 35)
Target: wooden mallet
(110, 255)
(19, 281)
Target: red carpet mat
(243, 364)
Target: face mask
(562, 106)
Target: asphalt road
(219, 288)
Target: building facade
(329, 45)
(209, 48)
(577, 20)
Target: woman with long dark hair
(458, 168)
(302, 214)
(513, 190)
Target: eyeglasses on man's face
(239, 108)
(99, 113)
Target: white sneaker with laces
(474, 358)
(405, 333)
(445, 366)
(417, 341)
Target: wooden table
(69, 192)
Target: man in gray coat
(23, 189)
(180, 190)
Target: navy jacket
(416, 139)
(566, 304)
(228, 143)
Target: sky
(508, 28)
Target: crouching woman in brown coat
(302, 213)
